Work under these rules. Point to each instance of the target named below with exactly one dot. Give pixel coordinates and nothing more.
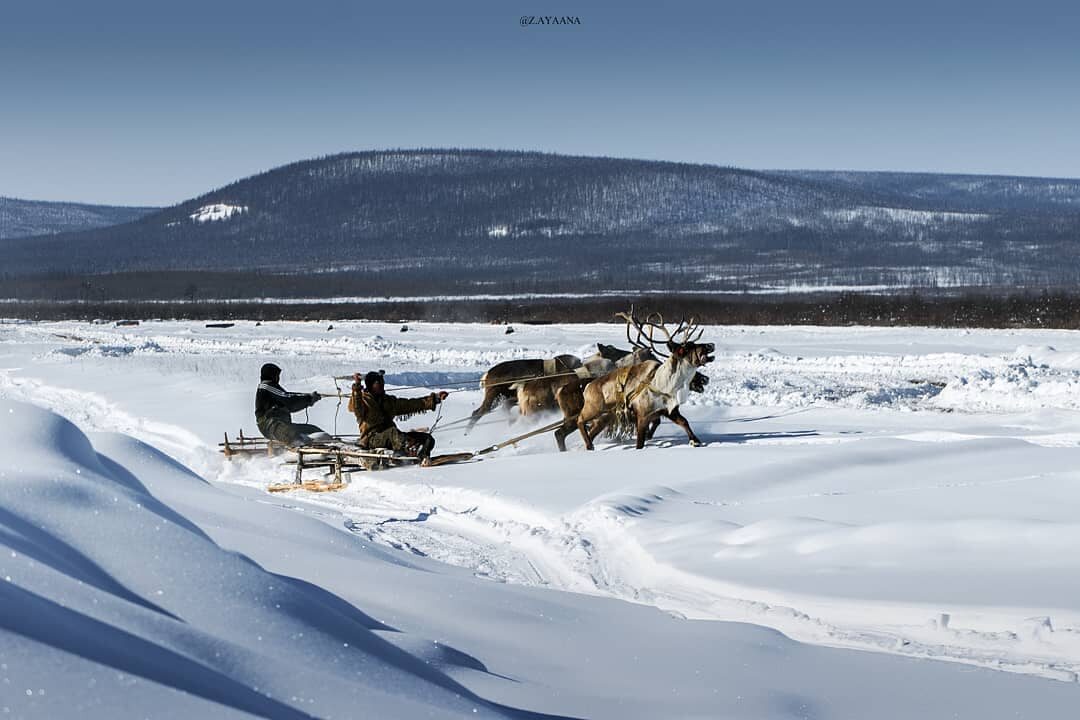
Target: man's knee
(312, 433)
(421, 443)
(390, 439)
(278, 431)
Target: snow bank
(105, 583)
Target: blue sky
(152, 103)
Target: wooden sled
(338, 461)
(244, 445)
(340, 458)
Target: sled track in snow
(590, 551)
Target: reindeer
(500, 381)
(532, 384)
(649, 390)
(541, 394)
(570, 395)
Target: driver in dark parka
(274, 407)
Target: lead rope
(337, 409)
(438, 417)
(451, 383)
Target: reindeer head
(639, 355)
(623, 358)
(610, 352)
(682, 343)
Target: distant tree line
(1020, 310)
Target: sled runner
(338, 461)
(309, 485)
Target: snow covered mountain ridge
(525, 221)
(23, 218)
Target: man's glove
(443, 395)
(315, 397)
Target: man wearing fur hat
(375, 412)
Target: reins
(525, 378)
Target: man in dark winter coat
(375, 412)
(274, 408)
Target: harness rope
(581, 373)
(345, 394)
(438, 417)
(467, 418)
(337, 409)
(526, 378)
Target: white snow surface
(216, 212)
(870, 502)
(914, 217)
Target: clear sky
(123, 102)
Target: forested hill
(20, 218)
(492, 221)
(959, 193)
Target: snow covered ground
(870, 502)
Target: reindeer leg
(583, 428)
(597, 427)
(642, 430)
(491, 397)
(653, 425)
(678, 419)
(583, 419)
(571, 402)
(473, 419)
(561, 433)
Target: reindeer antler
(645, 330)
(630, 320)
(691, 330)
